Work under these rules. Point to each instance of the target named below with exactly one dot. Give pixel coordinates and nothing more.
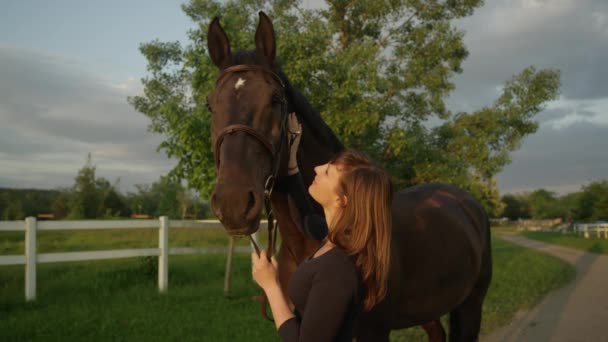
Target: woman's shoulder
(337, 262)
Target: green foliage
(12, 209)
(16, 204)
(167, 197)
(377, 71)
(515, 207)
(93, 197)
(593, 203)
(543, 204)
(590, 204)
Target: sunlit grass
(118, 300)
(593, 244)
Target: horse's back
(438, 241)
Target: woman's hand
(294, 134)
(264, 272)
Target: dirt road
(577, 312)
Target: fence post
(228, 266)
(30, 258)
(163, 256)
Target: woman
(349, 272)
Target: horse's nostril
(250, 202)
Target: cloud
(54, 112)
(567, 112)
(505, 36)
(558, 159)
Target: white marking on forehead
(239, 84)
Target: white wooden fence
(31, 257)
(587, 229)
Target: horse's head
(248, 109)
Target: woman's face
(323, 187)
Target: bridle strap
(241, 128)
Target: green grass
(117, 299)
(508, 229)
(593, 244)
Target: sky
(67, 68)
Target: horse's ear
(218, 44)
(264, 38)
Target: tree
(94, 197)
(13, 211)
(515, 207)
(113, 203)
(544, 205)
(166, 197)
(61, 204)
(86, 200)
(569, 206)
(593, 203)
(377, 71)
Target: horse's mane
(297, 102)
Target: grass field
(117, 299)
(593, 244)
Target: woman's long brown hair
(363, 227)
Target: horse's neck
(319, 144)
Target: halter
(275, 151)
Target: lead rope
(272, 237)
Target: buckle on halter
(269, 185)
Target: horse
(441, 260)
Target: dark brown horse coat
(440, 251)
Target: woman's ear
(342, 201)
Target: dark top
(327, 291)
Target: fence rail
(586, 229)
(30, 226)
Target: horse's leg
(373, 335)
(465, 320)
(434, 331)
